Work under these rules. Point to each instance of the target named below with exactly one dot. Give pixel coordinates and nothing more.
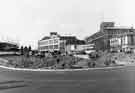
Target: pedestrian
(58, 60)
(63, 65)
(93, 64)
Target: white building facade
(56, 42)
(51, 44)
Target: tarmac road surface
(116, 80)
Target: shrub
(91, 64)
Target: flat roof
(119, 27)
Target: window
(51, 47)
(46, 43)
(46, 47)
(56, 47)
(55, 41)
(50, 41)
(134, 39)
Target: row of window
(51, 47)
(130, 39)
(118, 31)
(47, 42)
(115, 41)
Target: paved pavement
(115, 80)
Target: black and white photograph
(67, 46)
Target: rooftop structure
(108, 31)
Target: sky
(27, 21)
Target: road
(116, 80)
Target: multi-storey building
(124, 41)
(112, 38)
(55, 42)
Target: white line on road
(24, 69)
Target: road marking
(55, 70)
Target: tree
(92, 64)
(26, 51)
(29, 48)
(22, 50)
